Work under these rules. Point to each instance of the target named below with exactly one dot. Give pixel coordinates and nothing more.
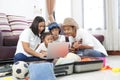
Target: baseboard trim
(113, 52)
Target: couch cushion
(18, 28)
(5, 29)
(3, 20)
(10, 40)
(2, 15)
(17, 24)
(4, 25)
(29, 21)
(99, 37)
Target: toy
(20, 69)
(115, 69)
(26, 78)
(106, 68)
(104, 60)
(8, 78)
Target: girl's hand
(43, 54)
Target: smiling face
(41, 26)
(55, 31)
(48, 39)
(69, 30)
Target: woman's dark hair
(35, 23)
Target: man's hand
(76, 44)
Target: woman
(85, 43)
(28, 41)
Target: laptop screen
(57, 49)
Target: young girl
(46, 38)
(55, 30)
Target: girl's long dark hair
(35, 23)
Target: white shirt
(27, 36)
(41, 47)
(89, 39)
(61, 38)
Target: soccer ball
(20, 69)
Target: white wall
(26, 8)
(62, 11)
(77, 11)
(23, 7)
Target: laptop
(57, 49)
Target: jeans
(22, 57)
(90, 53)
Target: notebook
(57, 49)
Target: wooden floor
(113, 52)
(113, 61)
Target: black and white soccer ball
(20, 70)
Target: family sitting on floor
(33, 41)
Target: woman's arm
(27, 48)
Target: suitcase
(8, 61)
(78, 67)
(63, 69)
(86, 66)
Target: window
(93, 14)
(62, 10)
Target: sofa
(7, 46)
(10, 28)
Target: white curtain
(112, 33)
